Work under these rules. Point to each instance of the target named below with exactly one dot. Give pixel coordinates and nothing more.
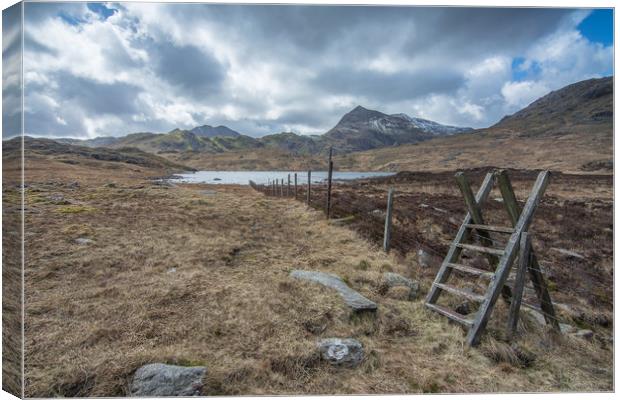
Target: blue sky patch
(521, 73)
(598, 27)
(99, 8)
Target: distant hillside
(73, 154)
(587, 103)
(218, 131)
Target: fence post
(273, 188)
(295, 185)
(288, 187)
(282, 187)
(329, 185)
(309, 185)
(388, 221)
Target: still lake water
(260, 177)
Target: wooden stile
(502, 259)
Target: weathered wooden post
(288, 187)
(282, 187)
(388, 221)
(525, 255)
(328, 206)
(273, 188)
(295, 185)
(309, 185)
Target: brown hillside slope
(570, 129)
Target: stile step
(460, 292)
(471, 270)
(481, 249)
(491, 228)
(453, 315)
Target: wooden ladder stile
(500, 259)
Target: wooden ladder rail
(538, 280)
(476, 215)
(462, 235)
(494, 290)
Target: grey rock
(424, 259)
(584, 334)
(167, 380)
(441, 210)
(568, 253)
(352, 298)
(499, 199)
(390, 279)
(84, 241)
(378, 213)
(342, 352)
(171, 271)
(538, 317)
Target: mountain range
(359, 129)
(568, 129)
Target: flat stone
(391, 280)
(341, 352)
(155, 380)
(352, 298)
(568, 253)
(84, 241)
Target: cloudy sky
(95, 69)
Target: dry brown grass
(500, 148)
(176, 275)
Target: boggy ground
(197, 275)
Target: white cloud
(520, 94)
(259, 69)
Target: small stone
(499, 199)
(155, 380)
(171, 271)
(538, 317)
(84, 241)
(424, 259)
(584, 334)
(341, 352)
(568, 253)
(378, 213)
(441, 210)
(393, 280)
(464, 308)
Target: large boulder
(154, 380)
(341, 352)
(352, 298)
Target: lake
(263, 177)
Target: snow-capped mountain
(432, 126)
(363, 129)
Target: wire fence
(390, 223)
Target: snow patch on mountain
(431, 126)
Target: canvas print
(235, 199)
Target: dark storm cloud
(104, 98)
(194, 71)
(389, 86)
